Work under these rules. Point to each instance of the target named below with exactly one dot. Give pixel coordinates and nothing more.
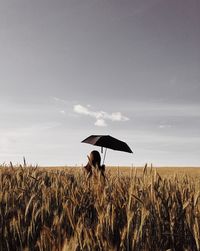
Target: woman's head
(95, 158)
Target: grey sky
(137, 61)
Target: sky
(72, 68)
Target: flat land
(127, 170)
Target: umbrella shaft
(104, 156)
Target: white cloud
(116, 116)
(82, 110)
(100, 116)
(100, 122)
(59, 100)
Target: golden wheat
(56, 209)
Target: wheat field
(138, 209)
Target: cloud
(82, 110)
(100, 116)
(59, 100)
(100, 122)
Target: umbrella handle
(104, 156)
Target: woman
(94, 162)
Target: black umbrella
(108, 142)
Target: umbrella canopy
(108, 142)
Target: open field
(126, 170)
(136, 209)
